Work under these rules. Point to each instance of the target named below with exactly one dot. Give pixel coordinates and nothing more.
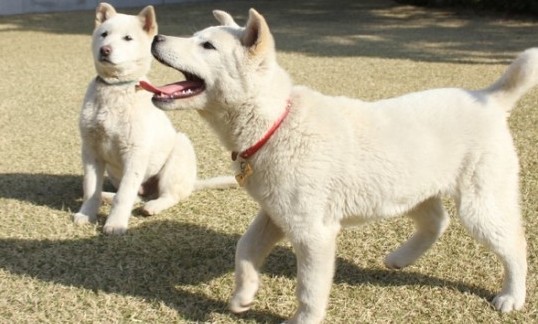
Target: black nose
(158, 39)
(105, 50)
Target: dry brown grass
(178, 266)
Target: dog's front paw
(506, 303)
(239, 304)
(81, 219)
(399, 259)
(111, 229)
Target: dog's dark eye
(208, 45)
(128, 38)
(104, 34)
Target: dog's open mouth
(191, 86)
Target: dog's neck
(250, 151)
(241, 125)
(119, 83)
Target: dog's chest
(108, 125)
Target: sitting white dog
(124, 134)
(316, 163)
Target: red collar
(256, 147)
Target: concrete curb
(11, 7)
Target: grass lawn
(177, 267)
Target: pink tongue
(168, 89)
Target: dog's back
(442, 135)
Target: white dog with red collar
(337, 161)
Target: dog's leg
(315, 249)
(431, 220)
(489, 210)
(252, 249)
(501, 231)
(126, 196)
(177, 177)
(94, 171)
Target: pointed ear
(257, 36)
(149, 20)
(103, 12)
(224, 18)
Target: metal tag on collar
(245, 172)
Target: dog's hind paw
(151, 208)
(237, 305)
(506, 303)
(156, 206)
(114, 230)
(107, 197)
(395, 262)
(81, 219)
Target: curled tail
(520, 77)
(221, 182)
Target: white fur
(124, 134)
(337, 161)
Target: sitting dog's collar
(258, 145)
(119, 83)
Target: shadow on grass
(57, 191)
(369, 28)
(152, 260)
